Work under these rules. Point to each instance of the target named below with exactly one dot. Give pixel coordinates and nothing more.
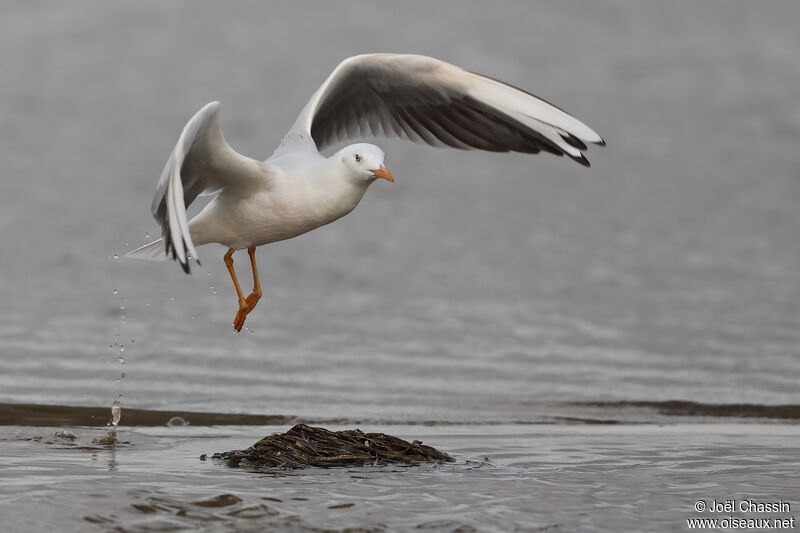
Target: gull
(297, 189)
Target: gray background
(476, 284)
(476, 304)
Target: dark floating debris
(304, 446)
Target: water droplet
(147, 235)
(121, 359)
(126, 244)
(115, 256)
(172, 299)
(116, 291)
(121, 307)
(177, 421)
(116, 413)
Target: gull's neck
(324, 189)
(325, 185)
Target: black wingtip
(172, 250)
(574, 141)
(601, 142)
(582, 160)
(187, 259)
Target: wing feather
(428, 101)
(201, 161)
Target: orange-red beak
(383, 173)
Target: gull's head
(364, 161)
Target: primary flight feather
(297, 189)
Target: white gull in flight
(297, 189)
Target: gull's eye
(358, 158)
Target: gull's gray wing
(201, 161)
(432, 102)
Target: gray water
(481, 302)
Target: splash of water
(116, 407)
(116, 413)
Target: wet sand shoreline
(592, 413)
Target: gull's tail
(154, 251)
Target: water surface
(505, 478)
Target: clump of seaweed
(305, 445)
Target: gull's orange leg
(241, 314)
(255, 296)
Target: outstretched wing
(429, 101)
(201, 161)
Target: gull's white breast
(294, 201)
